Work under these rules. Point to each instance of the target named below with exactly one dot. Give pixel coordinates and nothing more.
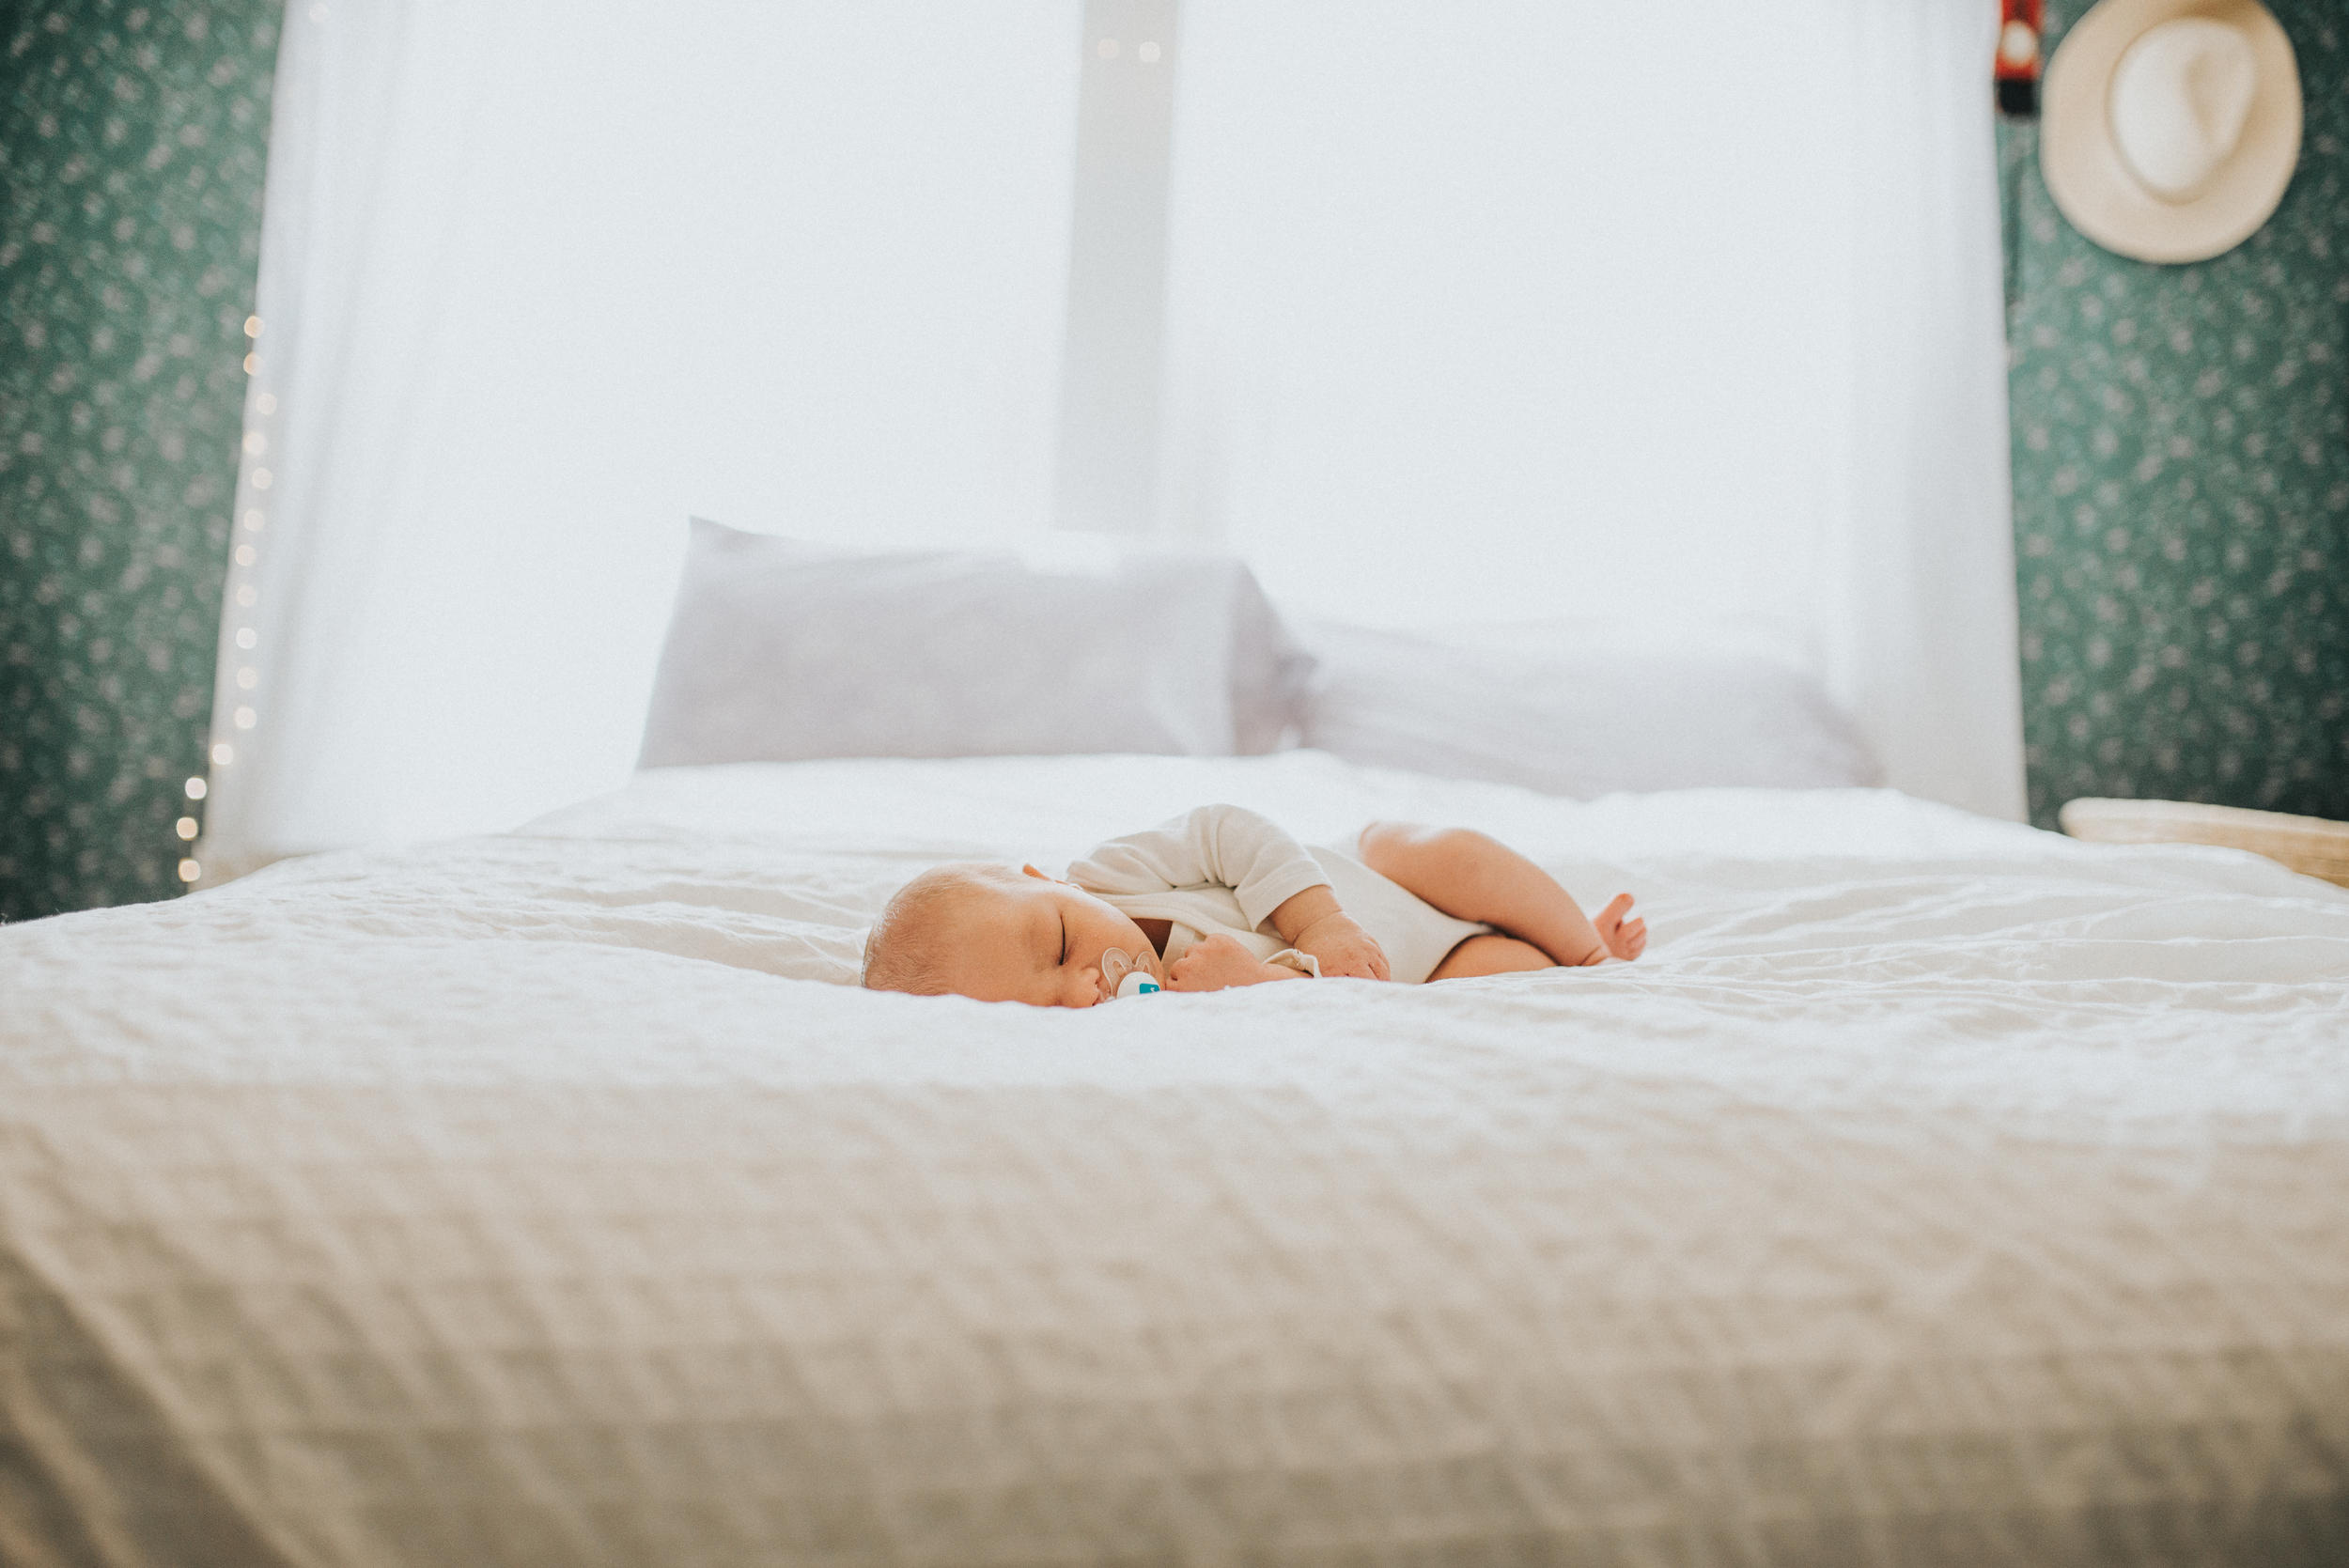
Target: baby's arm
(1219, 963)
(1272, 875)
(1312, 922)
(1224, 846)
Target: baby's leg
(1469, 875)
(1489, 956)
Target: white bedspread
(1934, 1192)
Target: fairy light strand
(248, 534)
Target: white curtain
(1683, 317)
(1680, 321)
(540, 279)
(1916, 610)
(1529, 284)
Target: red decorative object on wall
(2016, 71)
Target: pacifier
(1125, 975)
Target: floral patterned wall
(2180, 441)
(131, 146)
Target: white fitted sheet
(1934, 1191)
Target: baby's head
(998, 934)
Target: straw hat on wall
(2171, 126)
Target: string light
(246, 593)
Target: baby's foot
(1625, 937)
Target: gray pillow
(1581, 723)
(780, 650)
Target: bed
(1935, 1191)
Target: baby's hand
(1625, 937)
(1218, 963)
(1343, 948)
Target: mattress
(1934, 1191)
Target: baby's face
(1039, 941)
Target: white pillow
(1583, 724)
(780, 650)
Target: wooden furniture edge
(2308, 845)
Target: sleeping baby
(1221, 897)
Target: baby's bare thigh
(1401, 851)
(1489, 956)
(1445, 866)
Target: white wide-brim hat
(2171, 126)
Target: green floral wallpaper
(2180, 441)
(130, 148)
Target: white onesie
(1222, 870)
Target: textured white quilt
(1936, 1192)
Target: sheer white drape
(538, 280)
(1679, 319)
(1526, 283)
(1916, 614)
(1687, 316)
